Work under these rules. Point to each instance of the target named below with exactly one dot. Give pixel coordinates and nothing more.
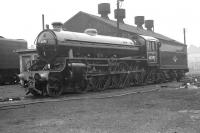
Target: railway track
(22, 102)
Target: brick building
(81, 21)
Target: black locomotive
(9, 61)
(90, 62)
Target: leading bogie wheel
(54, 88)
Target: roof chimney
(120, 14)
(104, 10)
(57, 26)
(139, 21)
(149, 24)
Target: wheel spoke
(100, 83)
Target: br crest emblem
(175, 59)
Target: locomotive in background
(90, 62)
(9, 60)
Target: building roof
(129, 28)
(22, 51)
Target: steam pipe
(118, 18)
(184, 35)
(42, 21)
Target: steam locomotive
(9, 61)
(87, 61)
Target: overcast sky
(22, 19)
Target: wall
(25, 58)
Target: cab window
(151, 46)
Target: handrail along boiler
(87, 61)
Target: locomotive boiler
(90, 62)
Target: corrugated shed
(8, 56)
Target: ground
(170, 109)
(7, 91)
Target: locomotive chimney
(139, 21)
(104, 10)
(120, 14)
(57, 26)
(149, 24)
